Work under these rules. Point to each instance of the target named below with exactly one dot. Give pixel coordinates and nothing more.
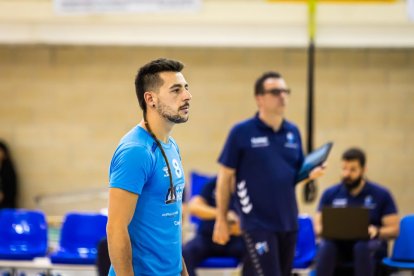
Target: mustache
(187, 105)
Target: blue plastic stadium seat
(80, 236)
(219, 262)
(403, 251)
(23, 234)
(306, 244)
(198, 180)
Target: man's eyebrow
(178, 85)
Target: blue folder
(313, 160)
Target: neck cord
(171, 194)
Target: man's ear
(258, 100)
(150, 99)
(364, 170)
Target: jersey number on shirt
(177, 169)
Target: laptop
(345, 223)
(313, 160)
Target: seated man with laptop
(355, 219)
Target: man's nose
(284, 94)
(188, 95)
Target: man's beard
(166, 112)
(350, 184)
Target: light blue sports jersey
(155, 229)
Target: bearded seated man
(356, 190)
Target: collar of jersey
(364, 190)
(164, 145)
(262, 124)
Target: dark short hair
(355, 154)
(5, 149)
(258, 86)
(148, 77)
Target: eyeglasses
(277, 91)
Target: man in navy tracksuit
(356, 190)
(262, 157)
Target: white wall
(236, 23)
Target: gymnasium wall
(63, 110)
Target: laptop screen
(345, 223)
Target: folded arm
(389, 230)
(199, 207)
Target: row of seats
(23, 236)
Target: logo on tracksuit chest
(259, 142)
(291, 141)
(369, 202)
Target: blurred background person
(262, 157)
(356, 190)
(8, 178)
(201, 246)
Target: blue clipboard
(313, 160)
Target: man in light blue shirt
(147, 179)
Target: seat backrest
(23, 231)
(198, 180)
(82, 230)
(306, 242)
(197, 183)
(404, 245)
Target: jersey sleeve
(131, 167)
(389, 205)
(324, 201)
(301, 155)
(229, 156)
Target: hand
(234, 223)
(318, 171)
(373, 232)
(232, 217)
(221, 232)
